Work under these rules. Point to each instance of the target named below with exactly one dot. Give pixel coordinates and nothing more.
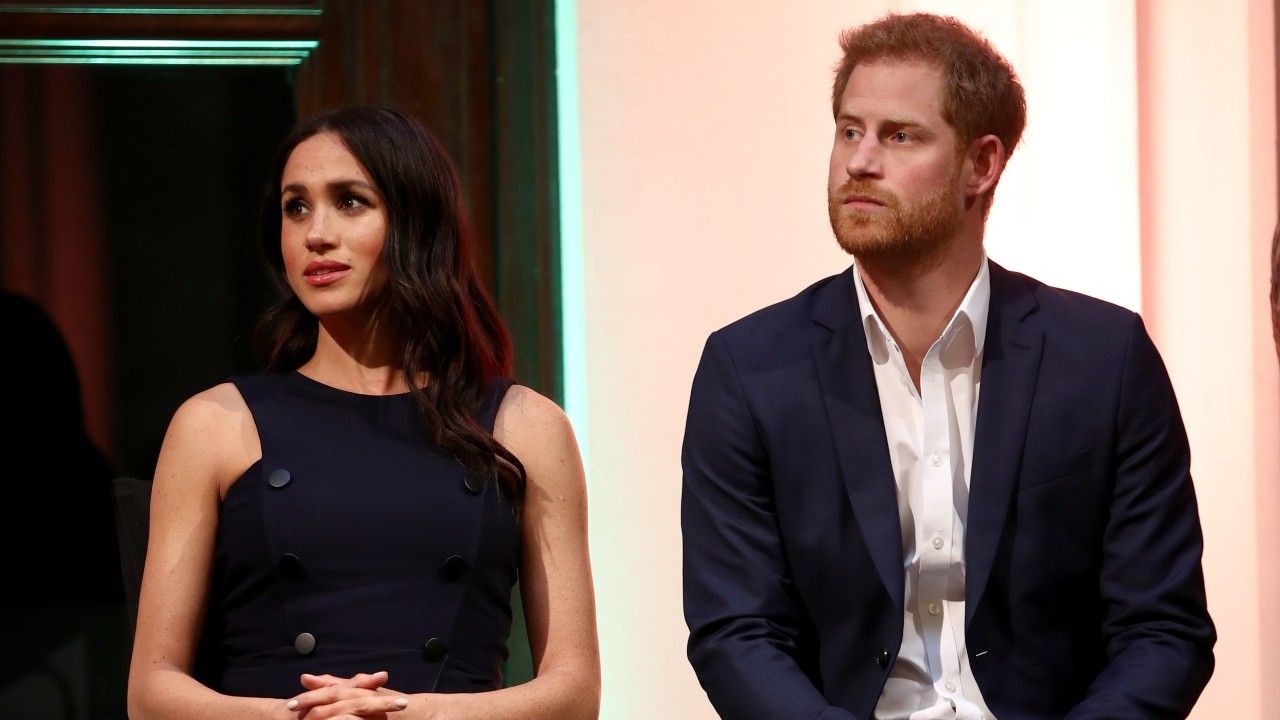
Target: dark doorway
(132, 226)
(186, 153)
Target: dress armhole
(497, 390)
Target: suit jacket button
(304, 644)
(882, 658)
(434, 649)
(473, 484)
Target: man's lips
(863, 201)
(324, 272)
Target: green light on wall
(155, 52)
(572, 283)
(135, 10)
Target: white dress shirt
(930, 436)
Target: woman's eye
(352, 202)
(293, 207)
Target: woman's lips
(324, 272)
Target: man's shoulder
(788, 319)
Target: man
(929, 487)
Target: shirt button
(934, 608)
(903, 379)
(950, 686)
(935, 459)
(937, 542)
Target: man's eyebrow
(898, 122)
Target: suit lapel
(1010, 370)
(853, 410)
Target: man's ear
(985, 161)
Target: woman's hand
(368, 681)
(329, 696)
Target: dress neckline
(335, 392)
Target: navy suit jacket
(1084, 596)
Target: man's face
(894, 188)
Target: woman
(338, 537)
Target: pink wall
(1208, 209)
(1147, 178)
(704, 129)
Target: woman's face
(333, 224)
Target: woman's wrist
(431, 706)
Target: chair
(133, 507)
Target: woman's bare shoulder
(215, 412)
(536, 429)
(526, 414)
(214, 429)
(221, 399)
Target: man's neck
(916, 300)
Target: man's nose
(866, 158)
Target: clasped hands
(362, 696)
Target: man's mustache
(867, 190)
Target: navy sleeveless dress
(356, 545)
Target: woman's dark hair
(445, 320)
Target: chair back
(133, 511)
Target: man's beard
(903, 234)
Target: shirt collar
(972, 312)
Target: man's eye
(850, 134)
(901, 137)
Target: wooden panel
(161, 20)
(525, 189)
